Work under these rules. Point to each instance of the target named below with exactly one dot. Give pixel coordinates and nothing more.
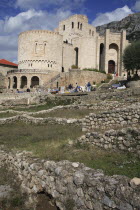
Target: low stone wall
(126, 139)
(117, 117)
(10, 99)
(40, 121)
(113, 94)
(72, 185)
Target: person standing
(88, 87)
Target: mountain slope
(131, 24)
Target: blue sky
(21, 15)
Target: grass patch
(51, 142)
(7, 114)
(66, 113)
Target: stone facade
(43, 55)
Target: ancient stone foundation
(74, 184)
(126, 139)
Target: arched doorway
(34, 81)
(76, 56)
(23, 82)
(101, 57)
(111, 67)
(14, 82)
(113, 59)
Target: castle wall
(40, 49)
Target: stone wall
(126, 139)
(114, 94)
(114, 118)
(81, 77)
(72, 185)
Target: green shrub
(96, 70)
(74, 67)
(109, 76)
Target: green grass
(51, 142)
(66, 113)
(7, 114)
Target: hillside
(131, 23)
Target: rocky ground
(49, 132)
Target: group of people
(78, 88)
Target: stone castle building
(46, 57)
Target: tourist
(88, 87)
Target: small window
(51, 65)
(89, 32)
(78, 25)
(81, 26)
(48, 65)
(63, 27)
(28, 64)
(72, 24)
(31, 64)
(92, 33)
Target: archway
(76, 56)
(101, 57)
(111, 67)
(114, 46)
(34, 81)
(23, 82)
(14, 82)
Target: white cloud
(29, 20)
(137, 6)
(115, 15)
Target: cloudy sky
(20, 15)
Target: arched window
(34, 81)
(63, 27)
(78, 25)
(101, 57)
(62, 69)
(72, 24)
(81, 26)
(76, 56)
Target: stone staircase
(53, 80)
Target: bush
(109, 76)
(74, 67)
(96, 70)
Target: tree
(131, 57)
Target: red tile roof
(8, 63)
